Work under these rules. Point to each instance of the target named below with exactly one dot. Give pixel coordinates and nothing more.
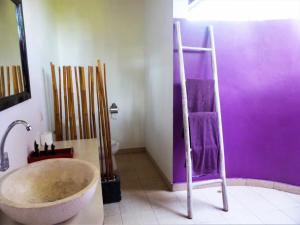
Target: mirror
(14, 74)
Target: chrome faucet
(4, 161)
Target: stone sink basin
(49, 191)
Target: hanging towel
(204, 143)
(203, 122)
(200, 95)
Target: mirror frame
(12, 100)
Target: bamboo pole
(8, 80)
(20, 80)
(102, 116)
(102, 160)
(90, 100)
(93, 103)
(69, 103)
(85, 117)
(2, 92)
(3, 82)
(66, 103)
(56, 104)
(15, 80)
(107, 143)
(108, 123)
(60, 102)
(78, 102)
(72, 108)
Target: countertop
(93, 213)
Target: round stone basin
(48, 192)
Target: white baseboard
(247, 182)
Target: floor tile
(252, 200)
(207, 214)
(275, 217)
(242, 217)
(133, 206)
(111, 209)
(146, 201)
(293, 213)
(173, 218)
(112, 220)
(295, 196)
(279, 199)
(138, 218)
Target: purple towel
(203, 122)
(200, 95)
(204, 143)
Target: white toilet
(114, 148)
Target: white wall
(113, 32)
(133, 37)
(159, 83)
(39, 32)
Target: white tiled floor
(146, 201)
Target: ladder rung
(196, 49)
(206, 182)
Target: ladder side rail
(185, 122)
(218, 109)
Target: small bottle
(46, 148)
(53, 149)
(36, 149)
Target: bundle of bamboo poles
(92, 107)
(11, 76)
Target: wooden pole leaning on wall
(8, 80)
(2, 86)
(69, 103)
(90, 106)
(73, 104)
(66, 103)
(20, 78)
(78, 103)
(99, 123)
(15, 80)
(105, 124)
(73, 130)
(2, 81)
(92, 102)
(58, 131)
(107, 121)
(102, 119)
(60, 101)
(85, 116)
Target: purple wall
(259, 75)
